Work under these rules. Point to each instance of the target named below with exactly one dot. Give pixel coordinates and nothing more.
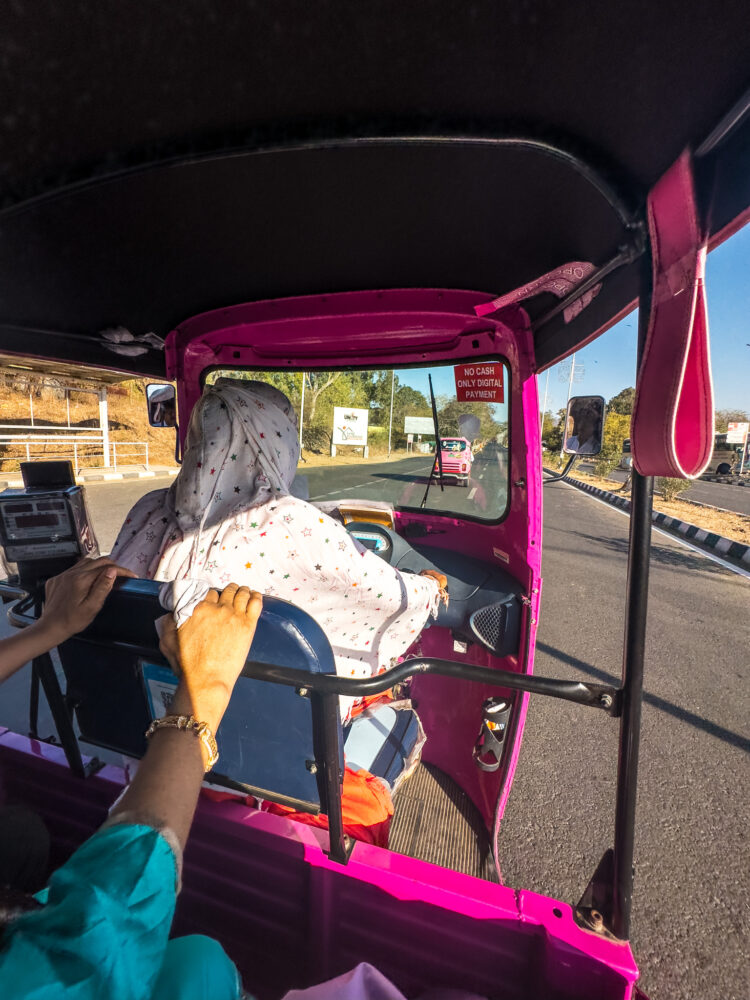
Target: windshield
(369, 435)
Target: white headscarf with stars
(228, 517)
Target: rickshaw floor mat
(436, 821)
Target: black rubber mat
(435, 821)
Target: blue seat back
(117, 680)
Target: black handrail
(601, 696)
(639, 553)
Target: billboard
(736, 433)
(419, 425)
(350, 426)
(480, 382)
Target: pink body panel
(290, 917)
(408, 326)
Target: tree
(552, 430)
(316, 384)
(623, 402)
(725, 417)
(616, 429)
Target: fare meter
(44, 526)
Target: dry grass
(127, 417)
(730, 525)
(128, 421)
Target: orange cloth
(366, 807)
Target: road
(690, 919)
(735, 498)
(690, 916)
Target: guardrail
(75, 446)
(115, 445)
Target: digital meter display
(36, 521)
(39, 526)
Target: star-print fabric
(228, 517)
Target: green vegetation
(669, 488)
(623, 402)
(724, 417)
(616, 429)
(370, 390)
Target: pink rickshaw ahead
(328, 242)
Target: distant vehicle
(626, 459)
(456, 457)
(725, 458)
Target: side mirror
(584, 425)
(162, 405)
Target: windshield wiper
(438, 450)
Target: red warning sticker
(479, 383)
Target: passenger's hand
(209, 651)
(442, 581)
(74, 598)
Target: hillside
(27, 393)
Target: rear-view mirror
(584, 425)
(162, 405)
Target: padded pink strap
(672, 430)
(561, 282)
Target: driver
(229, 515)
(586, 417)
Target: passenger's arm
(374, 583)
(209, 652)
(72, 601)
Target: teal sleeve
(104, 930)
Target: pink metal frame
(403, 327)
(290, 917)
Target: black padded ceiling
(95, 90)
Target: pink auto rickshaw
(339, 188)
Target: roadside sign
(419, 425)
(480, 382)
(737, 432)
(350, 426)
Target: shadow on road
(719, 732)
(660, 554)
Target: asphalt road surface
(735, 498)
(690, 918)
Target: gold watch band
(189, 724)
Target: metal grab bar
(602, 696)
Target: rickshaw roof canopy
(160, 160)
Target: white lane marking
(471, 494)
(675, 538)
(335, 493)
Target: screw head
(606, 700)
(311, 766)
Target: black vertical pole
(632, 664)
(332, 777)
(43, 669)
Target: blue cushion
(381, 741)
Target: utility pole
(390, 418)
(544, 405)
(570, 393)
(301, 412)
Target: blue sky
(609, 362)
